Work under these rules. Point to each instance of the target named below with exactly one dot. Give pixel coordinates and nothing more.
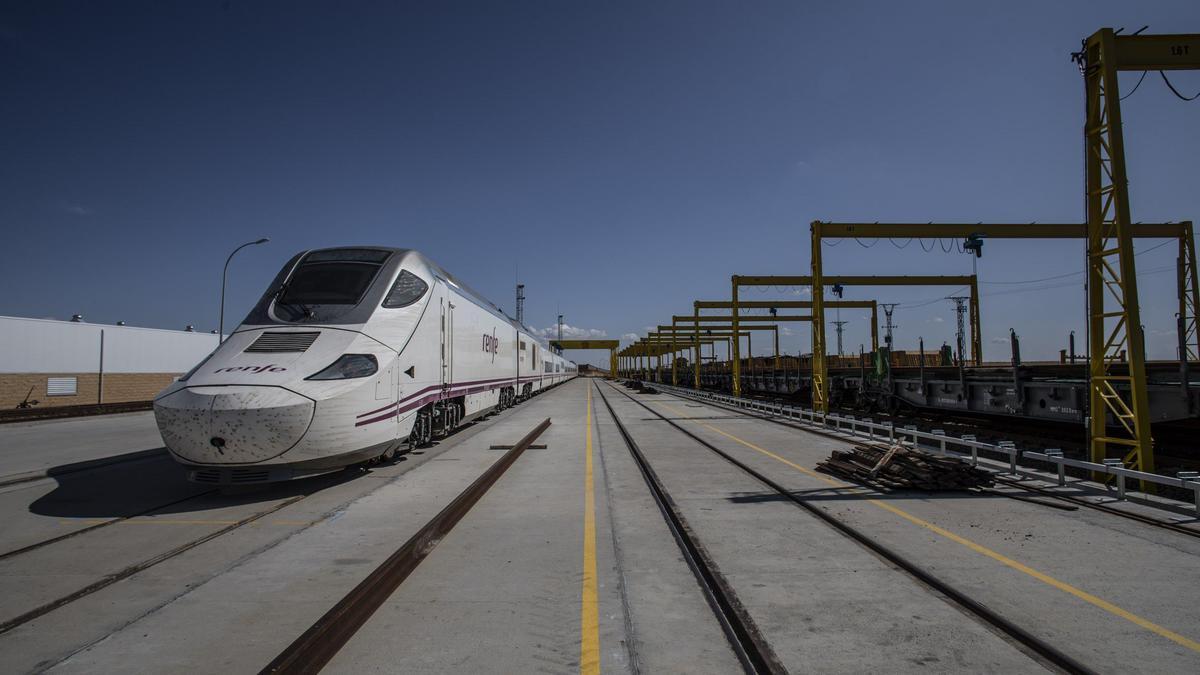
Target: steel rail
(310, 652)
(1038, 646)
(111, 579)
(746, 640)
(97, 526)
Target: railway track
(321, 642)
(1022, 485)
(1035, 645)
(312, 485)
(110, 579)
(92, 528)
(747, 642)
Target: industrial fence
(966, 447)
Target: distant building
(60, 363)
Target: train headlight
(348, 367)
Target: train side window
(408, 289)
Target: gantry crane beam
(830, 230)
(610, 345)
(668, 339)
(1188, 288)
(1115, 335)
(692, 335)
(726, 322)
(728, 318)
(816, 281)
(637, 350)
(873, 305)
(782, 304)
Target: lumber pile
(903, 467)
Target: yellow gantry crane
(610, 345)
(667, 340)
(821, 231)
(702, 325)
(820, 385)
(676, 337)
(1116, 329)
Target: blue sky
(627, 157)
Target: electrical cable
(1176, 91)
(940, 298)
(1135, 87)
(1153, 270)
(1068, 274)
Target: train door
(447, 349)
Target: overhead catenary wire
(1069, 274)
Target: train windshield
(328, 279)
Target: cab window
(408, 289)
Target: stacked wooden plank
(903, 467)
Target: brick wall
(118, 388)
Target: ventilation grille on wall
(61, 386)
(283, 342)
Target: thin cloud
(630, 337)
(937, 319)
(76, 210)
(570, 332)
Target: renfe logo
(271, 368)
(491, 344)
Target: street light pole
(224, 273)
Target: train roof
(438, 270)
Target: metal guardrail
(938, 441)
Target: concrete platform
(1115, 594)
(566, 565)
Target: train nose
(232, 425)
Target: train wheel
(422, 431)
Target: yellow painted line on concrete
(978, 548)
(589, 646)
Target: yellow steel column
(735, 354)
(874, 326)
(1111, 268)
(674, 356)
(612, 362)
(696, 346)
(1189, 294)
(820, 390)
(976, 333)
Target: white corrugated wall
(49, 346)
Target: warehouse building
(58, 363)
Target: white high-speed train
(351, 354)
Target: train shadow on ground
(156, 485)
